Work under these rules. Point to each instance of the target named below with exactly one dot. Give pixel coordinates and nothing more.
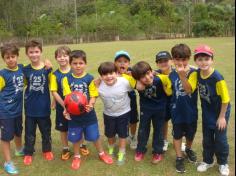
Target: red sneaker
(76, 163)
(48, 156)
(106, 158)
(156, 158)
(28, 160)
(138, 156)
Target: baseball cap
(203, 49)
(163, 55)
(122, 53)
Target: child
(11, 101)
(122, 63)
(37, 102)
(183, 104)
(215, 102)
(163, 61)
(152, 109)
(87, 123)
(113, 91)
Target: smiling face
(34, 54)
(109, 78)
(62, 59)
(10, 60)
(204, 62)
(78, 66)
(147, 79)
(122, 64)
(164, 65)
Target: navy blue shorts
(10, 128)
(91, 133)
(168, 114)
(117, 125)
(61, 122)
(134, 109)
(184, 129)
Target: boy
(122, 63)
(85, 124)
(152, 109)
(215, 102)
(37, 102)
(183, 104)
(113, 91)
(11, 102)
(163, 61)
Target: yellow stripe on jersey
(131, 80)
(2, 83)
(222, 91)
(66, 86)
(93, 92)
(53, 83)
(166, 83)
(193, 80)
(49, 79)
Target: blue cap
(122, 54)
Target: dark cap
(163, 55)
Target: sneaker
(84, 150)
(133, 142)
(166, 144)
(156, 158)
(224, 170)
(10, 168)
(48, 156)
(180, 165)
(19, 152)
(204, 166)
(111, 150)
(191, 155)
(138, 156)
(106, 158)
(28, 160)
(121, 158)
(65, 154)
(183, 147)
(76, 163)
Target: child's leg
(208, 145)
(76, 147)
(18, 136)
(165, 130)
(157, 143)
(18, 143)
(6, 150)
(177, 145)
(133, 127)
(30, 135)
(64, 139)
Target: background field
(139, 50)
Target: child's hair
(9, 48)
(33, 43)
(62, 50)
(181, 51)
(75, 54)
(106, 67)
(140, 69)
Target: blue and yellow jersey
(183, 105)
(154, 97)
(37, 94)
(56, 85)
(84, 85)
(213, 92)
(11, 92)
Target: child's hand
(88, 107)
(48, 64)
(139, 86)
(182, 70)
(221, 123)
(53, 104)
(66, 114)
(97, 82)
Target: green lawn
(139, 50)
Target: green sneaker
(111, 151)
(19, 152)
(121, 158)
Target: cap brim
(202, 52)
(122, 55)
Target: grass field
(139, 50)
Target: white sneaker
(224, 170)
(183, 146)
(204, 166)
(133, 142)
(166, 144)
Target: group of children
(170, 92)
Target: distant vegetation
(74, 21)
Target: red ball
(75, 103)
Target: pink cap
(203, 49)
